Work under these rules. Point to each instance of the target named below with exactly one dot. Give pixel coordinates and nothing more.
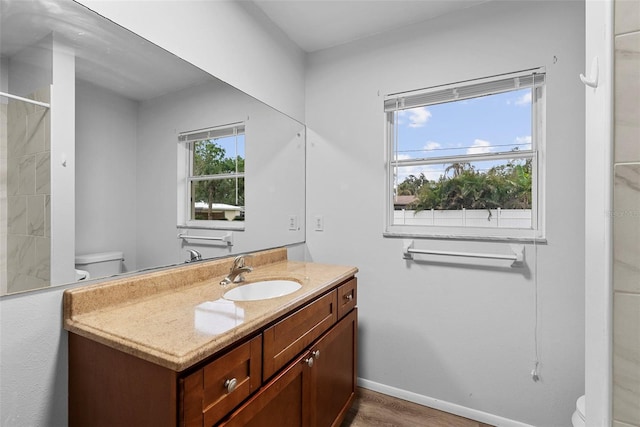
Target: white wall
(106, 170)
(231, 40)
(33, 355)
(457, 336)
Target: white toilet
(577, 419)
(100, 264)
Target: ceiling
(319, 24)
(99, 44)
(105, 53)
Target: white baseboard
(441, 405)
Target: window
(466, 160)
(214, 181)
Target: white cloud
(431, 172)
(479, 147)
(524, 99)
(523, 140)
(418, 117)
(432, 145)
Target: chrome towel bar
(517, 257)
(227, 238)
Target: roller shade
(460, 91)
(212, 133)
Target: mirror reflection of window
(216, 174)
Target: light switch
(293, 222)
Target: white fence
(489, 218)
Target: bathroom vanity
(165, 348)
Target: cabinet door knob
(348, 297)
(316, 354)
(309, 361)
(230, 385)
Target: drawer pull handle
(309, 361)
(348, 297)
(316, 354)
(230, 385)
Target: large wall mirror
(98, 130)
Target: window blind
(212, 133)
(459, 91)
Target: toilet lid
(580, 406)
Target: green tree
(211, 159)
(505, 186)
(412, 185)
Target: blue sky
(494, 123)
(229, 145)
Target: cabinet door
(334, 373)
(290, 336)
(283, 402)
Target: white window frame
(534, 78)
(186, 146)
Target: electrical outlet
(318, 222)
(293, 222)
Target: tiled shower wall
(626, 216)
(28, 194)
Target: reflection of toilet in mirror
(102, 264)
(577, 419)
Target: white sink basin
(262, 290)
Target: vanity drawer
(347, 297)
(291, 335)
(213, 391)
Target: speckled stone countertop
(177, 317)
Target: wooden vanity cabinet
(299, 371)
(315, 390)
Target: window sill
(463, 237)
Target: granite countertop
(177, 317)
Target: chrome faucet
(237, 269)
(194, 255)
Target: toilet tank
(100, 264)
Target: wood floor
(372, 409)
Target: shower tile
(626, 358)
(627, 16)
(13, 176)
(17, 215)
(16, 134)
(42, 95)
(27, 175)
(23, 282)
(35, 215)
(43, 173)
(42, 268)
(626, 228)
(35, 137)
(47, 132)
(626, 99)
(21, 254)
(47, 216)
(3, 131)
